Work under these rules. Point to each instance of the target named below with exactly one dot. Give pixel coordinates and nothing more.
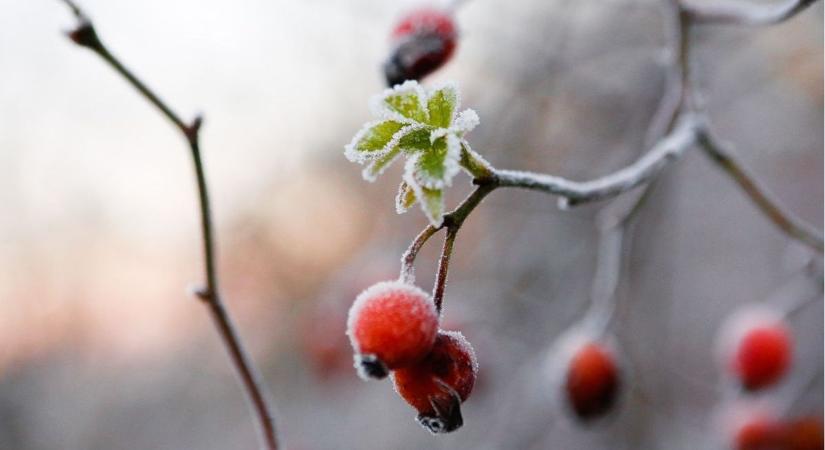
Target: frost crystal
(425, 126)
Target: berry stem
(86, 36)
(443, 267)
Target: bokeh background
(101, 347)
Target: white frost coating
(400, 198)
(558, 361)
(426, 307)
(465, 122)
(435, 219)
(738, 324)
(451, 166)
(380, 109)
(477, 157)
(354, 155)
(452, 88)
(465, 346)
(371, 175)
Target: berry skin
(763, 356)
(756, 347)
(758, 433)
(423, 40)
(592, 381)
(391, 325)
(804, 434)
(438, 384)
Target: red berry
(391, 325)
(424, 40)
(438, 384)
(757, 347)
(592, 381)
(763, 356)
(758, 433)
(804, 434)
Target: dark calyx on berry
(447, 411)
(416, 57)
(369, 366)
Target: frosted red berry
(423, 41)
(391, 325)
(763, 355)
(591, 384)
(438, 384)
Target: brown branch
(86, 36)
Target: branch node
(85, 35)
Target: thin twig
(85, 35)
(785, 220)
(743, 12)
(647, 167)
(443, 267)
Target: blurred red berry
(423, 41)
(438, 384)
(592, 381)
(803, 434)
(758, 433)
(391, 325)
(763, 355)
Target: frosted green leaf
(418, 139)
(431, 200)
(442, 105)
(436, 167)
(376, 167)
(474, 163)
(405, 198)
(372, 141)
(406, 101)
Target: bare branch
(744, 12)
(443, 267)
(86, 36)
(793, 226)
(573, 193)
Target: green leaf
(418, 139)
(408, 100)
(442, 105)
(405, 198)
(435, 167)
(431, 200)
(376, 167)
(474, 163)
(372, 141)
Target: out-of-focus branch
(86, 36)
(642, 171)
(789, 223)
(743, 12)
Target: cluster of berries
(756, 350)
(393, 329)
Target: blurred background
(101, 347)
